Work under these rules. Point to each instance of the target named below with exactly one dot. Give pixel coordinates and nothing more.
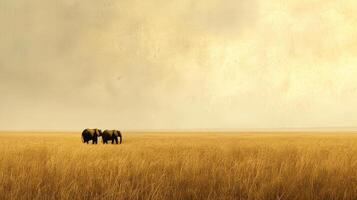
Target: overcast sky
(182, 64)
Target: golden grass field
(300, 166)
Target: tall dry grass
(179, 166)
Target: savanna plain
(301, 166)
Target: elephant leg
(112, 140)
(116, 140)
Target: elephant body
(91, 134)
(111, 135)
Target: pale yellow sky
(188, 64)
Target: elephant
(91, 134)
(111, 135)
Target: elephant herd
(107, 135)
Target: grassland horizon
(179, 165)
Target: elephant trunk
(83, 133)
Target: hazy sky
(181, 64)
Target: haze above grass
(181, 64)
